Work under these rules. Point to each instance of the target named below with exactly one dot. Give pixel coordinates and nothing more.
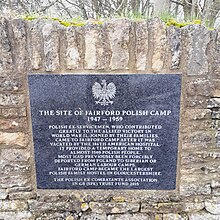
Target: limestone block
(215, 184)
(193, 206)
(119, 43)
(196, 102)
(198, 137)
(111, 207)
(13, 124)
(13, 112)
(15, 155)
(172, 216)
(213, 206)
(200, 86)
(11, 84)
(216, 114)
(159, 41)
(56, 216)
(162, 207)
(138, 216)
(10, 181)
(8, 99)
(74, 47)
(216, 64)
(84, 206)
(97, 47)
(203, 216)
(214, 103)
(22, 195)
(216, 191)
(141, 45)
(25, 215)
(20, 45)
(197, 114)
(189, 189)
(3, 194)
(94, 216)
(6, 62)
(44, 206)
(13, 139)
(198, 38)
(51, 46)
(175, 44)
(36, 44)
(14, 205)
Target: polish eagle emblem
(104, 92)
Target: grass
(167, 18)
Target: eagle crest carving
(104, 92)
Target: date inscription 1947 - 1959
(105, 131)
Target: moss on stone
(174, 22)
(78, 22)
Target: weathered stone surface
(13, 124)
(74, 47)
(35, 29)
(161, 207)
(11, 84)
(175, 43)
(8, 99)
(13, 139)
(56, 216)
(141, 45)
(84, 206)
(197, 114)
(159, 41)
(199, 86)
(203, 216)
(97, 47)
(198, 137)
(17, 155)
(213, 206)
(215, 114)
(14, 205)
(51, 46)
(216, 65)
(44, 206)
(111, 208)
(196, 102)
(214, 103)
(189, 189)
(93, 216)
(25, 215)
(216, 191)
(172, 216)
(199, 125)
(194, 158)
(21, 180)
(13, 112)
(3, 194)
(215, 184)
(193, 206)
(6, 62)
(20, 45)
(216, 88)
(138, 216)
(22, 195)
(199, 37)
(119, 43)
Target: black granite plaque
(105, 131)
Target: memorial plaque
(105, 131)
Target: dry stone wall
(117, 46)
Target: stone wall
(117, 46)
